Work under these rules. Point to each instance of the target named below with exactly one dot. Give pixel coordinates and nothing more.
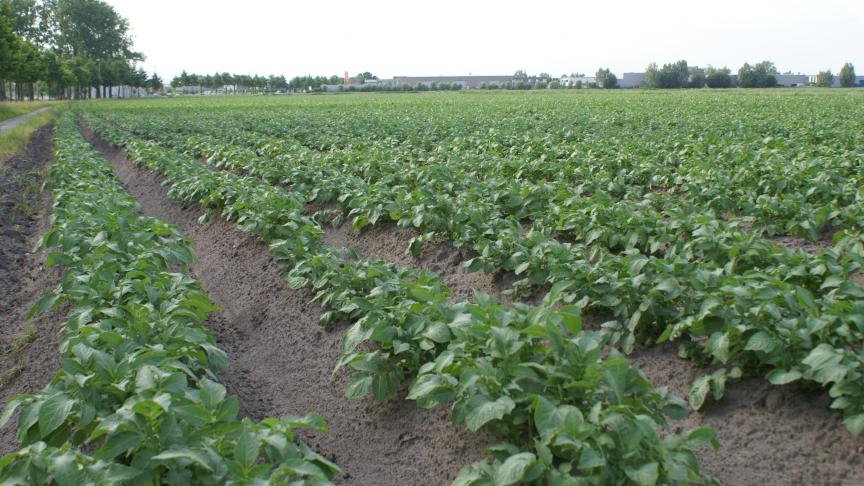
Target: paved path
(14, 122)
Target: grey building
(792, 80)
(835, 83)
(631, 80)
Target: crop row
(432, 194)
(531, 375)
(136, 400)
(787, 173)
(740, 300)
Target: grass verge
(14, 140)
(11, 109)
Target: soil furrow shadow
(29, 354)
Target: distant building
(859, 81)
(627, 80)
(120, 92)
(793, 80)
(464, 81)
(570, 81)
(631, 80)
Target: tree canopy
(718, 78)
(847, 75)
(605, 79)
(238, 82)
(825, 79)
(761, 75)
(64, 47)
(674, 75)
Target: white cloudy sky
(456, 37)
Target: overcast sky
(458, 37)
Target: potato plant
(661, 212)
(405, 313)
(136, 399)
(670, 246)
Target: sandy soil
(28, 349)
(282, 359)
(281, 363)
(768, 434)
(797, 243)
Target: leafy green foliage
(421, 337)
(136, 388)
(665, 223)
(665, 227)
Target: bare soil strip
(28, 349)
(282, 359)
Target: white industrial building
(570, 81)
(120, 92)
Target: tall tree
(29, 70)
(697, 77)
(674, 75)
(652, 76)
(58, 73)
(154, 83)
(718, 78)
(605, 79)
(847, 75)
(9, 46)
(93, 28)
(33, 21)
(825, 79)
(766, 73)
(761, 75)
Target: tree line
(846, 77)
(235, 82)
(245, 83)
(672, 75)
(760, 75)
(61, 48)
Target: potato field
(563, 288)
